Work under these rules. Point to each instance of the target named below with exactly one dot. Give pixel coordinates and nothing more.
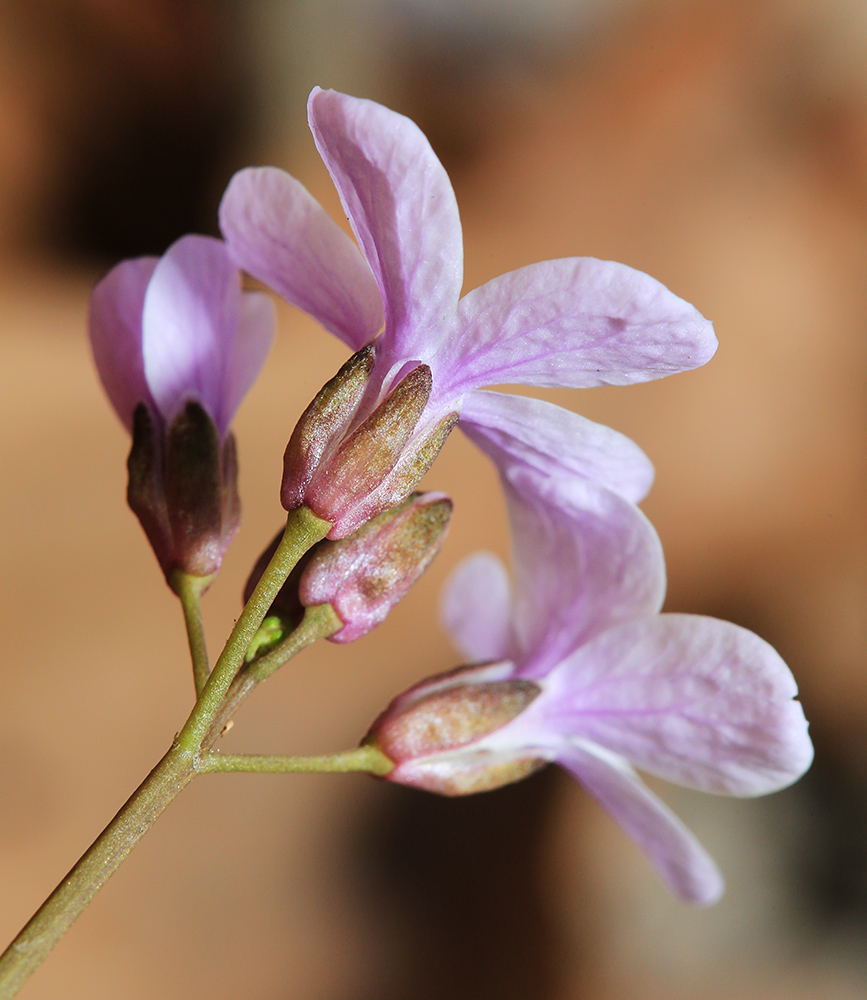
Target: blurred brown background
(720, 146)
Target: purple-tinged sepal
(363, 576)
(438, 732)
(323, 423)
(183, 488)
(356, 452)
(201, 483)
(145, 491)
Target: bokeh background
(720, 145)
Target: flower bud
(183, 489)
(355, 454)
(363, 576)
(435, 733)
(324, 421)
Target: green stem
(303, 530)
(71, 897)
(319, 622)
(363, 758)
(189, 590)
(168, 778)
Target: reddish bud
(324, 421)
(363, 576)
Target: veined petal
(555, 442)
(189, 326)
(476, 609)
(277, 232)
(256, 322)
(403, 211)
(575, 322)
(674, 851)
(115, 323)
(584, 559)
(695, 700)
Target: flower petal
(404, 214)
(476, 609)
(697, 701)
(256, 322)
(189, 326)
(555, 442)
(676, 854)
(584, 559)
(576, 322)
(278, 233)
(115, 324)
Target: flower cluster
(577, 665)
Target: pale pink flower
(578, 666)
(575, 322)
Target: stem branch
(364, 758)
(189, 590)
(303, 530)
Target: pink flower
(575, 322)
(167, 330)
(177, 344)
(579, 667)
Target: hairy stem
(179, 766)
(72, 895)
(189, 590)
(319, 622)
(303, 530)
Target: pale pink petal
(189, 326)
(256, 322)
(476, 609)
(277, 232)
(584, 559)
(403, 211)
(576, 322)
(115, 324)
(555, 442)
(697, 701)
(679, 858)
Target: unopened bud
(354, 454)
(363, 576)
(435, 732)
(183, 489)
